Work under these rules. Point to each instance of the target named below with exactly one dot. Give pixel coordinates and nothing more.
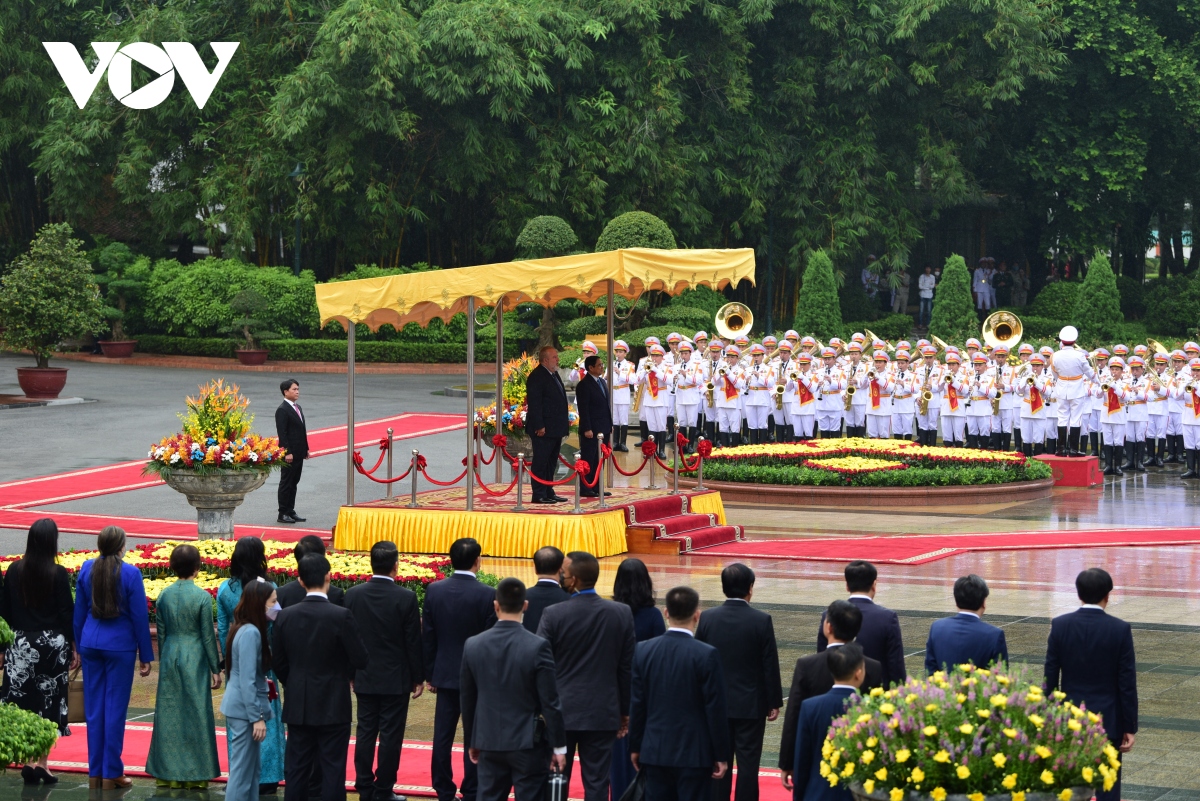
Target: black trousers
(678, 784)
(382, 716)
(747, 738)
(445, 723)
(595, 759)
(543, 464)
(289, 479)
(311, 745)
(589, 449)
(524, 772)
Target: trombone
(891, 348)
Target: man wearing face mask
(293, 592)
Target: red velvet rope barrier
(490, 491)
(432, 480)
(358, 462)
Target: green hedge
(1133, 297)
(1055, 301)
(572, 332)
(1174, 305)
(687, 320)
(326, 350)
(891, 327)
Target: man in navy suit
(595, 418)
(965, 637)
(547, 419)
(547, 565)
(816, 714)
(880, 635)
(678, 727)
(456, 608)
(1090, 658)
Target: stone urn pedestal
(215, 496)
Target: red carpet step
(666, 525)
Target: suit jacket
(815, 716)
(315, 650)
(963, 638)
(293, 593)
(456, 608)
(593, 644)
(507, 685)
(246, 695)
(592, 403)
(540, 596)
(879, 637)
(291, 430)
(678, 716)
(1089, 656)
(546, 400)
(810, 679)
(745, 638)
(389, 620)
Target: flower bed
(971, 732)
(868, 463)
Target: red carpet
(18, 496)
(70, 756)
(919, 549)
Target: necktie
(296, 406)
(603, 386)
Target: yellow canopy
(421, 297)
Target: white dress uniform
(856, 415)
(1137, 415)
(1190, 415)
(1070, 367)
(1034, 418)
(759, 402)
(803, 409)
(929, 377)
(655, 397)
(830, 402)
(624, 378)
(904, 407)
(687, 395)
(954, 406)
(1112, 414)
(729, 388)
(879, 404)
(1010, 402)
(780, 367)
(1156, 405)
(980, 391)
(708, 369)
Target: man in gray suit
(593, 642)
(511, 716)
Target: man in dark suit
(679, 725)
(812, 677)
(293, 592)
(456, 608)
(293, 435)
(848, 667)
(315, 649)
(547, 564)
(512, 721)
(880, 636)
(593, 644)
(1089, 656)
(745, 639)
(965, 637)
(547, 421)
(595, 418)
(389, 620)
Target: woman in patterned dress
(37, 605)
(249, 563)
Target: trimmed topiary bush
(687, 320)
(818, 311)
(954, 318)
(636, 229)
(1098, 307)
(702, 297)
(1054, 302)
(546, 236)
(1173, 306)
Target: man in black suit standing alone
(389, 619)
(595, 418)
(1090, 657)
(547, 421)
(593, 643)
(315, 650)
(512, 721)
(293, 435)
(293, 592)
(880, 635)
(456, 608)
(547, 564)
(745, 639)
(679, 726)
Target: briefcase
(556, 786)
(75, 712)
(636, 791)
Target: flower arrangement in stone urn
(970, 734)
(215, 460)
(512, 414)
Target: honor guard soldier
(1187, 388)
(578, 372)
(708, 399)
(781, 412)
(624, 378)
(1179, 373)
(1033, 389)
(904, 391)
(1156, 405)
(1070, 367)
(1113, 393)
(803, 384)
(687, 395)
(981, 390)
(728, 387)
(929, 380)
(954, 402)
(1137, 416)
(759, 388)
(830, 404)
(877, 385)
(1004, 421)
(654, 384)
(855, 412)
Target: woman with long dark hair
(634, 588)
(112, 628)
(36, 603)
(247, 566)
(183, 748)
(245, 706)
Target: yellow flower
(975, 797)
(881, 774)
(833, 779)
(1043, 752)
(998, 700)
(902, 755)
(1009, 782)
(869, 786)
(1074, 725)
(1065, 795)
(871, 742)
(1088, 774)
(961, 698)
(1059, 694)
(942, 756)
(983, 713)
(1010, 733)
(1018, 797)
(1093, 717)
(917, 776)
(863, 718)
(938, 794)
(1047, 777)
(963, 772)
(1109, 781)
(1037, 720)
(867, 757)
(824, 768)
(896, 794)
(833, 758)
(876, 692)
(887, 709)
(931, 707)
(1034, 697)
(826, 749)
(911, 698)
(848, 768)
(929, 731)
(966, 728)
(999, 760)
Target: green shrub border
(326, 350)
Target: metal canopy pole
(609, 313)
(499, 381)
(470, 404)
(350, 330)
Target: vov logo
(172, 57)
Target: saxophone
(637, 398)
(850, 390)
(926, 393)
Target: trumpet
(793, 376)
(870, 375)
(1153, 378)
(1189, 388)
(723, 371)
(1030, 381)
(1105, 387)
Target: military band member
(1033, 389)
(954, 402)
(624, 378)
(1188, 390)
(803, 385)
(654, 382)
(830, 404)
(770, 345)
(1113, 393)
(1175, 449)
(708, 400)
(578, 372)
(1156, 405)
(904, 391)
(981, 389)
(701, 343)
(729, 383)
(687, 395)
(759, 388)
(1003, 421)
(856, 376)
(877, 386)
(929, 379)
(781, 412)
(1070, 367)
(1137, 416)
(1091, 415)
(640, 391)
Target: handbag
(556, 786)
(75, 712)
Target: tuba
(734, 320)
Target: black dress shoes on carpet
(285, 519)
(295, 516)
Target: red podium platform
(1081, 471)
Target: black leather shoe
(559, 499)
(296, 516)
(388, 797)
(29, 775)
(285, 519)
(543, 500)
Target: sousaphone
(734, 320)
